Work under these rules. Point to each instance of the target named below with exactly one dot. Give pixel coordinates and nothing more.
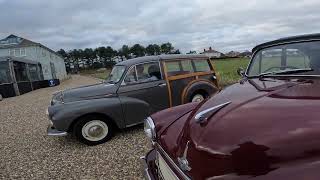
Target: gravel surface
(26, 152)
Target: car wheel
(93, 130)
(197, 98)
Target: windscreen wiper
(291, 71)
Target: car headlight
(149, 128)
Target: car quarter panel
(63, 115)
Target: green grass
(227, 69)
(96, 74)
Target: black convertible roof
(306, 37)
(138, 60)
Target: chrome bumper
(144, 168)
(51, 131)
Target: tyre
(93, 130)
(197, 98)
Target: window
(23, 51)
(142, 73)
(181, 67)
(34, 73)
(187, 66)
(20, 72)
(17, 52)
(4, 73)
(116, 74)
(148, 72)
(131, 76)
(201, 66)
(282, 58)
(11, 52)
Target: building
(52, 64)
(19, 76)
(233, 54)
(211, 53)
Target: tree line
(107, 54)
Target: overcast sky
(189, 24)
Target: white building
(53, 66)
(211, 53)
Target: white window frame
(25, 51)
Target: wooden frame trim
(184, 76)
(167, 81)
(216, 74)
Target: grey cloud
(188, 24)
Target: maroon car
(267, 126)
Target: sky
(188, 24)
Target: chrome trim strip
(54, 132)
(172, 163)
(203, 115)
(144, 168)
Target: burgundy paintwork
(271, 130)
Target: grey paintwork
(125, 105)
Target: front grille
(164, 170)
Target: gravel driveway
(26, 152)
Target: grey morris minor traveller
(134, 89)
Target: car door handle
(162, 84)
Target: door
(53, 71)
(142, 92)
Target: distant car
(264, 127)
(135, 89)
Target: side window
(148, 72)
(201, 66)
(131, 76)
(187, 66)
(179, 67)
(143, 73)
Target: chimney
(210, 48)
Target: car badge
(183, 162)
(204, 115)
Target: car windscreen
(116, 74)
(301, 58)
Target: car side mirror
(240, 71)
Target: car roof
(291, 39)
(138, 60)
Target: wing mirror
(240, 71)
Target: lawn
(100, 74)
(227, 69)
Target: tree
(166, 48)
(137, 50)
(124, 51)
(90, 55)
(153, 49)
(63, 53)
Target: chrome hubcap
(95, 130)
(197, 98)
